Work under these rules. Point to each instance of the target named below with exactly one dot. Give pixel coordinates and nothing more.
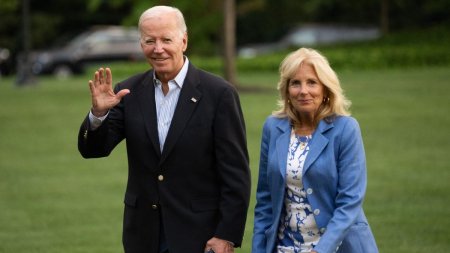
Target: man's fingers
(91, 86)
(96, 85)
(96, 78)
(122, 93)
(108, 76)
(101, 77)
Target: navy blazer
(334, 177)
(199, 185)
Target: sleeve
(263, 209)
(95, 122)
(232, 163)
(351, 187)
(98, 140)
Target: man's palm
(102, 94)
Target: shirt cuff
(95, 122)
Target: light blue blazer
(334, 177)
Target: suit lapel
(318, 143)
(282, 145)
(187, 102)
(146, 98)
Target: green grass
(52, 200)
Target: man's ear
(185, 41)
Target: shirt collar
(181, 76)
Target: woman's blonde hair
(334, 103)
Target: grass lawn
(52, 200)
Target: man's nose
(159, 47)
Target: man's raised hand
(102, 94)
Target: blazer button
(160, 177)
(154, 207)
(316, 212)
(309, 191)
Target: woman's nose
(303, 89)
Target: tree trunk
(229, 41)
(384, 17)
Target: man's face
(163, 44)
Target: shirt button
(160, 177)
(316, 212)
(154, 207)
(309, 191)
(322, 230)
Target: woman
(312, 175)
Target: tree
(384, 16)
(230, 40)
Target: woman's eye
(294, 84)
(311, 82)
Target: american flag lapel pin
(194, 100)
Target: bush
(405, 49)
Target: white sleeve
(95, 122)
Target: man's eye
(148, 41)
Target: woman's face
(305, 91)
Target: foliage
(10, 19)
(413, 48)
(275, 17)
(257, 21)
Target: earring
(326, 100)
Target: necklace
(303, 140)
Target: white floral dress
(297, 232)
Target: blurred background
(392, 57)
(54, 34)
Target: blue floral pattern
(297, 232)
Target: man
(189, 182)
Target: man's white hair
(161, 9)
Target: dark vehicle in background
(312, 35)
(100, 44)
